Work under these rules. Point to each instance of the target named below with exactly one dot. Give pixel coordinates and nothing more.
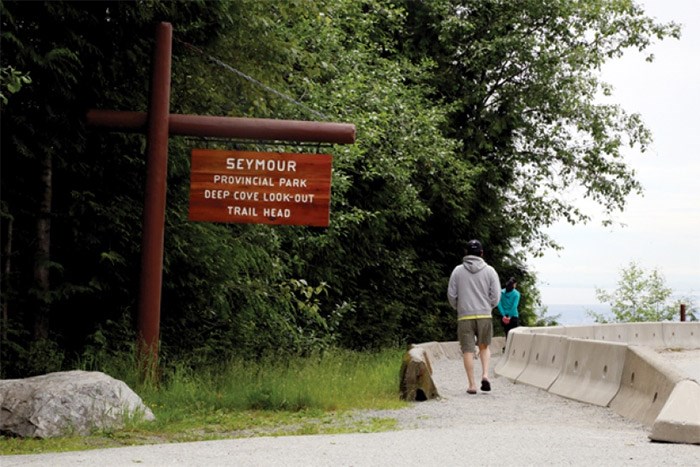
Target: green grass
(314, 395)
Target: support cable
(251, 79)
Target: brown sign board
(251, 187)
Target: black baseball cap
(474, 247)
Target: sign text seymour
(260, 187)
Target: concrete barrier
(517, 354)
(646, 334)
(681, 335)
(606, 365)
(645, 386)
(497, 345)
(611, 333)
(451, 349)
(579, 332)
(558, 330)
(435, 350)
(592, 371)
(545, 362)
(679, 420)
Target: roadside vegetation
(318, 394)
(641, 295)
(472, 118)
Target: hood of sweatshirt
(473, 264)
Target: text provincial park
(260, 187)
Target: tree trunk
(6, 252)
(43, 250)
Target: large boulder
(416, 381)
(64, 403)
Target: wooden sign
(260, 187)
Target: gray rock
(64, 403)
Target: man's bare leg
(469, 368)
(485, 356)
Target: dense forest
(472, 117)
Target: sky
(661, 227)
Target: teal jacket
(508, 306)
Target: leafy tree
(640, 296)
(471, 117)
(72, 198)
(522, 80)
(514, 85)
(376, 254)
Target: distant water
(576, 314)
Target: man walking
(474, 290)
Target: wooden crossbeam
(264, 129)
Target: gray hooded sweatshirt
(474, 289)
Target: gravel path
(513, 425)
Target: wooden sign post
(160, 124)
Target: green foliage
(471, 118)
(640, 296)
(44, 356)
(279, 382)
(385, 184)
(243, 398)
(11, 81)
(111, 349)
(521, 77)
(543, 319)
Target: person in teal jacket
(508, 306)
